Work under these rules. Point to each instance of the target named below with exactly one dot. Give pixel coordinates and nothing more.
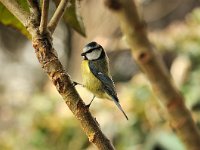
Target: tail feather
(120, 107)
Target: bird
(96, 74)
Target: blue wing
(107, 84)
(105, 80)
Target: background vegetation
(31, 114)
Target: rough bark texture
(143, 52)
(52, 66)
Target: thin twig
(35, 9)
(52, 66)
(44, 17)
(57, 15)
(143, 51)
(16, 10)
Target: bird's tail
(120, 107)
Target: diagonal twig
(34, 9)
(44, 17)
(57, 15)
(52, 66)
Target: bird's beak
(83, 54)
(84, 57)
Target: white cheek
(93, 55)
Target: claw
(76, 83)
(88, 105)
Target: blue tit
(96, 75)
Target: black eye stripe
(92, 49)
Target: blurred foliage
(42, 126)
(9, 19)
(43, 122)
(183, 39)
(71, 17)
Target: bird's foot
(88, 105)
(76, 83)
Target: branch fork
(42, 42)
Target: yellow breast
(90, 81)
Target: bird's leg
(88, 105)
(76, 83)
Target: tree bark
(144, 53)
(46, 54)
(52, 66)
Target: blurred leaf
(163, 140)
(8, 19)
(73, 18)
(194, 17)
(23, 4)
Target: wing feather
(108, 85)
(105, 80)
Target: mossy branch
(52, 66)
(143, 52)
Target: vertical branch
(57, 15)
(34, 9)
(44, 17)
(52, 66)
(143, 52)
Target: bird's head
(93, 51)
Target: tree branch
(16, 10)
(144, 54)
(44, 17)
(35, 9)
(57, 15)
(53, 67)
